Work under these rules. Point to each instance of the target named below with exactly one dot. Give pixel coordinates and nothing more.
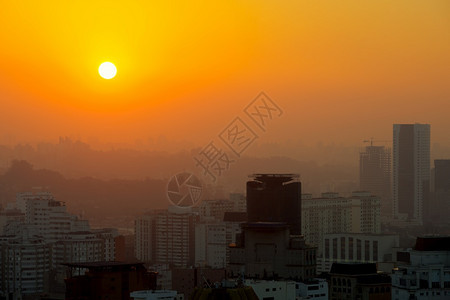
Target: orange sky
(342, 71)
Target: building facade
(427, 275)
(359, 281)
(267, 250)
(331, 213)
(275, 198)
(356, 248)
(24, 266)
(441, 201)
(166, 237)
(375, 175)
(411, 171)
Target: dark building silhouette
(186, 280)
(411, 171)
(441, 206)
(107, 280)
(275, 198)
(375, 175)
(358, 281)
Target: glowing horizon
(342, 71)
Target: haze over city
(213, 150)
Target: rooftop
(432, 243)
(354, 268)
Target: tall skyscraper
(275, 198)
(411, 171)
(375, 175)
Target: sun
(107, 70)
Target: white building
(411, 171)
(212, 240)
(275, 290)
(215, 208)
(62, 236)
(359, 213)
(316, 288)
(240, 202)
(156, 295)
(47, 216)
(427, 276)
(289, 290)
(356, 248)
(166, 237)
(107, 235)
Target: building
(240, 202)
(156, 295)
(331, 213)
(427, 275)
(10, 218)
(38, 220)
(47, 217)
(359, 281)
(356, 248)
(276, 290)
(441, 201)
(284, 290)
(215, 208)
(212, 238)
(267, 250)
(411, 172)
(24, 266)
(186, 280)
(241, 293)
(106, 280)
(275, 198)
(375, 175)
(166, 237)
(316, 288)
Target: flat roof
(102, 264)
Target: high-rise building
(270, 245)
(375, 175)
(441, 206)
(331, 213)
(275, 198)
(24, 266)
(411, 171)
(166, 237)
(40, 234)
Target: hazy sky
(342, 71)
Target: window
(334, 248)
(350, 248)
(366, 250)
(342, 248)
(358, 250)
(375, 250)
(327, 248)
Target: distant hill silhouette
(118, 182)
(96, 197)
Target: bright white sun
(107, 70)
